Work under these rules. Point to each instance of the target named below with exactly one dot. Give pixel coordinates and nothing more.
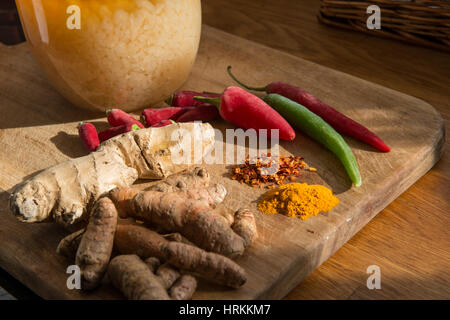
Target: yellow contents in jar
(298, 200)
(124, 54)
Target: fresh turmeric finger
(195, 182)
(123, 197)
(209, 265)
(176, 237)
(184, 288)
(213, 195)
(167, 275)
(132, 239)
(135, 280)
(196, 178)
(68, 246)
(96, 244)
(194, 219)
(226, 213)
(153, 263)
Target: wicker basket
(419, 22)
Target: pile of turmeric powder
(298, 200)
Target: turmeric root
(245, 226)
(182, 181)
(190, 181)
(153, 263)
(167, 275)
(211, 266)
(122, 197)
(96, 244)
(228, 214)
(68, 191)
(178, 212)
(134, 239)
(212, 195)
(68, 246)
(183, 288)
(135, 280)
(197, 178)
(146, 243)
(177, 238)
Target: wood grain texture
(409, 239)
(43, 124)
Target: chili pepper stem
(213, 101)
(169, 100)
(263, 89)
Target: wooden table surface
(410, 239)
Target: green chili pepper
(319, 130)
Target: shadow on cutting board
(27, 99)
(70, 144)
(15, 288)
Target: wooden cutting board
(38, 129)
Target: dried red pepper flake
(257, 172)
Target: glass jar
(103, 54)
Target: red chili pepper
(163, 123)
(334, 118)
(117, 117)
(250, 112)
(205, 113)
(186, 98)
(115, 131)
(154, 116)
(89, 136)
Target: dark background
(421, 214)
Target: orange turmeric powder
(298, 200)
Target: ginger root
(94, 251)
(135, 280)
(146, 243)
(68, 191)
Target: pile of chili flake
(265, 171)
